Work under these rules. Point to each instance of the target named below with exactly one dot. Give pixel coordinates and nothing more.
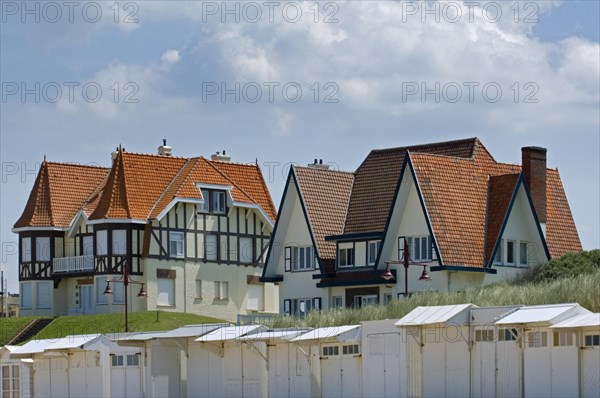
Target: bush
(571, 265)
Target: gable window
(498, 257)
(346, 257)
(523, 253)
(303, 258)
(510, 252)
(420, 248)
(176, 244)
(26, 250)
(205, 206)
(373, 248)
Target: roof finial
(44, 158)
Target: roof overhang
(33, 229)
(462, 268)
(355, 236)
(174, 202)
(271, 279)
(81, 215)
(255, 207)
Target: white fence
(73, 264)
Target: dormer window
(373, 248)
(346, 257)
(214, 202)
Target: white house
(465, 218)
(194, 231)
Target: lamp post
(126, 280)
(407, 262)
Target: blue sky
(372, 75)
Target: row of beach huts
(458, 350)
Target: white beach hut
(15, 374)
(437, 346)
(383, 359)
(587, 331)
(222, 366)
(548, 365)
(332, 361)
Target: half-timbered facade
(464, 217)
(193, 230)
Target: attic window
(214, 202)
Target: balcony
(73, 264)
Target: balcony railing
(73, 264)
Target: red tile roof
(500, 191)
(141, 186)
(379, 173)
(326, 194)
(58, 193)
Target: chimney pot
(318, 164)
(534, 170)
(164, 149)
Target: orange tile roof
(326, 194)
(379, 173)
(58, 193)
(455, 193)
(500, 191)
(141, 186)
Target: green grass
(582, 289)
(113, 323)
(10, 327)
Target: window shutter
(316, 302)
(316, 260)
(287, 304)
(288, 258)
(433, 256)
(401, 247)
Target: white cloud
(170, 57)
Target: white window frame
(423, 244)
(564, 339)
(485, 335)
(303, 258)
(297, 305)
(351, 349)
(221, 290)
(372, 249)
(119, 242)
(26, 249)
(498, 258)
(331, 350)
(12, 380)
(219, 206)
(177, 238)
(591, 340)
(212, 248)
(365, 299)
(205, 206)
(337, 302)
(348, 256)
(102, 242)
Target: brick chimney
(534, 171)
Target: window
(218, 202)
(42, 249)
(166, 291)
(510, 252)
(11, 381)
(26, 250)
(176, 244)
(133, 360)
(100, 286)
(592, 340)
(537, 339)
(361, 301)
(523, 253)
(221, 290)
(117, 360)
(101, 245)
(43, 295)
(372, 252)
(26, 295)
(507, 334)
(205, 206)
(303, 258)
(498, 257)
(211, 247)
(563, 339)
(302, 307)
(346, 257)
(332, 350)
(484, 335)
(337, 302)
(246, 250)
(119, 242)
(351, 349)
(387, 298)
(420, 248)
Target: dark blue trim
(377, 281)
(487, 270)
(321, 276)
(355, 236)
(520, 181)
(408, 162)
(276, 278)
(310, 230)
(287, 184)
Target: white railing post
(73, 264)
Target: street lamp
(126, 281)
(406, 261)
